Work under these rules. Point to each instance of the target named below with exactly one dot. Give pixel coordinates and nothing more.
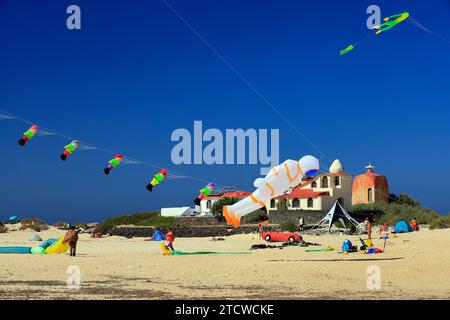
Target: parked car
(281, 236)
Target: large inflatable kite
(389, 23)
(280, 179)
(29, 134)
(113, 163)
(157, 179)
(69, 149)
(204, 192)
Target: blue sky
(135, 72)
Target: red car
(281, 236)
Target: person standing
(72, 238)
(301, 223)
(414, 224)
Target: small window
(208, 204)
(310, 202)
(324, 182)
(337, 181)
(370, 195)
(273, 204)
(314, 184)
(296, 203)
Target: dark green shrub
(138, 219)
(288, 226)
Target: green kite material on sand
(320, 250)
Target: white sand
(415, 265)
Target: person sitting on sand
(170, 239)
(71, 237)
(384, 229)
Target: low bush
(138, 219)
(288, 226)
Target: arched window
(208, 204)
(324, 182)
(273, 203)
(310, 202)
(369, 195)
(296, 203)
(337, 181)
(314, 184)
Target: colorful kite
(113, 163)
(204, 192)
(157, 179)
(389, 23)
(69, 149)
(28, 135)
(279, 180)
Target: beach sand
(414, 266)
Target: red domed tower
(370, 187)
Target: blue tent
(402, 226)
(159, 236)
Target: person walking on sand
(170, 238)
(71, 237)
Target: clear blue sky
(135, 72)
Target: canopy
(337, 213)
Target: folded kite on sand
(168, 252)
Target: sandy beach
(414, 266)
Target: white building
(177, 212)
(319, 194)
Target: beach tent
(402, 226)
(337, 213)
(159, 236)
(12, 219)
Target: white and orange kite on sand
(280, 179)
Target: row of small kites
(115, 162)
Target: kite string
(243, 79)
(417, 24)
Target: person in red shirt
(414, 224)
(170, 239)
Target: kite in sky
(279, 180)
(157, 179)
(389, 23)
(29, 134)
(204, 192)
(69, 149)
(113, 163)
